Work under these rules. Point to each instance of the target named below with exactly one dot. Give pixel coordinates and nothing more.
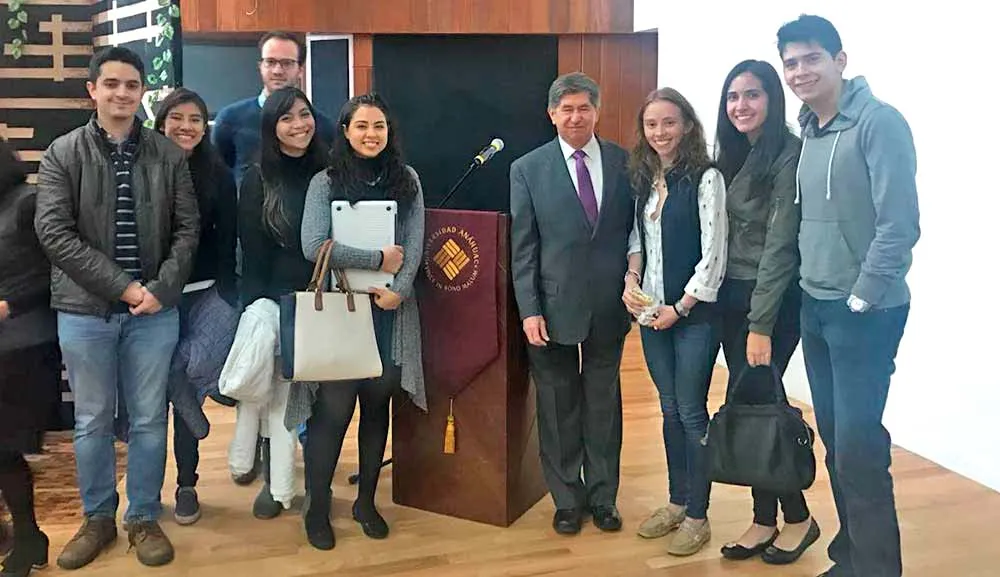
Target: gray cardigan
(406, 349)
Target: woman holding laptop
(366, 164)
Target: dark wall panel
(453, 94)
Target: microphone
(495, 146)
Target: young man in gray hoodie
(857, 189)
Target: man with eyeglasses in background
(236, 135)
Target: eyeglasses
(285, 63)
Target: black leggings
(735, 300)
(331, 415)
(18, 491)
(185, 453)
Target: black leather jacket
(24, 273)
(75, 220)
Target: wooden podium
(494, 475)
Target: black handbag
(765, 446)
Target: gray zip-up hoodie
(856, 183)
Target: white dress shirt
(593, 162)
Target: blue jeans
(131, 355)
(850, 358)
(679, 361)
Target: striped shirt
(126, 231)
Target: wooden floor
(948, 523)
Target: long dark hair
(204, 162)
(277, 105)
(12, 170)
(692, 153)
(344, 169)
(733, 148)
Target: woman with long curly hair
(678, 257)
(366, 164)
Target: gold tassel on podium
(449, 430)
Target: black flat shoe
(567, 521)
(27, 554)
(606, 518)
(316, 520)
(738, 552)
(373, 525)
(774, 556)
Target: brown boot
(96, 535)
(150, 543)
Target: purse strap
(321, 269)
(322, 262)
(779, 387)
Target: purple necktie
(587, 197)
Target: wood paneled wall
(363, 63)
(410, 16)
(43, 93)
(624, 65)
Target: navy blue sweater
(236, 134)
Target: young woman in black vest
(271, 203)
(760, 297)
(677, 256)
(208, 309)
(366, 164)
(29, 360)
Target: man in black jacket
(118, 218)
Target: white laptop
(370, 225)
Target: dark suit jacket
(564, 269)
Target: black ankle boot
(372, 523)
(316, 515)
(30, 552)
(264, 506)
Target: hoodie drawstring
(829, 169)
(798, 168)
(829, 166)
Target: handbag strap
(322, 261)
(345, 287)
(776, 382)
(320, 270)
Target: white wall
(945, 396)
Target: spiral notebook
(369, 225)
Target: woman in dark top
(29, 359)
(208, 315)
(760, 297)
(366, 165)
(272, 196)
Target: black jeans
(850, 358)
(185, 453)
(757, 386)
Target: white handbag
(328, 335)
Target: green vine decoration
(17, 21)
(160, 76)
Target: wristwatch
(681, 310)
(634, 274)
(857, 305)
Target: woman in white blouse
(677, 255)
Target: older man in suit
(572, 215)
